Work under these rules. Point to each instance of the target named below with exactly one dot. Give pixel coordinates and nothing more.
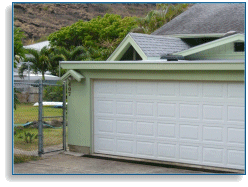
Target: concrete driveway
(70, 163)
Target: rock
(35, 125)
(56, 123)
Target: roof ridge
(153, 36)
(206, 18)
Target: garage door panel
(104, 144)
(214, 90)
(105, 125)
(146, 88)
(104, 88)
(145, 128)
(125, 108)
(212, 133)
(125, 146)
(235, 113)
(190, 132)
(189, 153)
(124, 127)
(182, 121)
(235, 90)
(168, 89)
(166, 150)
(104, 107)
(235, 158)
(167, 110)
(145, 148)
(166, 130)
(213, 112)
(235, 135)
(213, 155)
(189, 89)
(126, 88)
(189, 111)
(145, 109)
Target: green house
(176, 95)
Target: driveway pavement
(70, 163)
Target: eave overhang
(155, 65)
(209, 45)
(73, 74)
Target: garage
(193, 122)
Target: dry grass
(19, 158)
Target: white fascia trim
(209, 45)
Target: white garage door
(190, 122)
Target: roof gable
(207, 18)
(209, 45)
(148, 46)
(74, 74)
(123, 47)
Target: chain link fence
(52, 117)
(26, 119)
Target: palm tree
(40, 60)
(62, 54)
(19, 51)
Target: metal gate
(39, 127)
(47, 141)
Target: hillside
(40, 20)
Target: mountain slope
(39, 20)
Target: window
(239, 47)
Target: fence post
(64, 116)
(40, 123)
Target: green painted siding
(80, 104)
(223, 52)
(78, 120)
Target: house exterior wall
(80, 102)
(218, 53)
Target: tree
(100, 33)
(19, 51)
(54, 93)
(40, 60)
(16, 100)
(157, 18)
(62, 54)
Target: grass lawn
(51, 137)
(26, 112)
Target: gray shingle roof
(207, 18)
(155, 46)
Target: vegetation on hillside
(95, 39)
(157, 18)
(101, 33)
